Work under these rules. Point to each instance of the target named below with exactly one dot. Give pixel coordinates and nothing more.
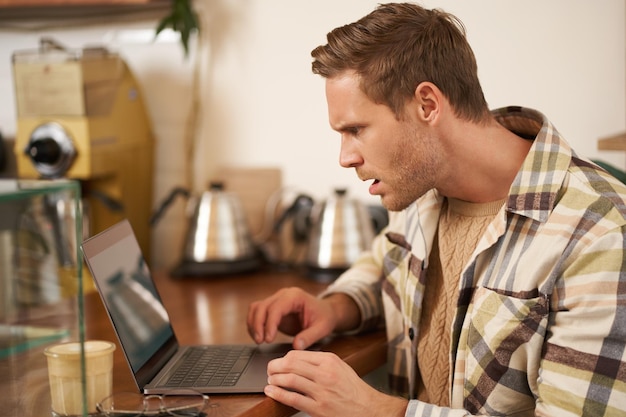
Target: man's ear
(429, 100)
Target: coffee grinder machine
(81, 116)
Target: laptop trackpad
(256, 372)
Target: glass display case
(41, 286)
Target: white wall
(261, 106)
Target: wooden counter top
(213, 310)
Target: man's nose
(349, 157)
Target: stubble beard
(408, 187)
(413, 176)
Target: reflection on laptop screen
(141, 322)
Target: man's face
(398, 156)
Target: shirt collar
(535, 188)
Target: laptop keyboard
(211, 367)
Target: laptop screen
(128, 293)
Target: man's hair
(399, 45)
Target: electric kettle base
(200, 269)
(323, 275)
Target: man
(499, 277)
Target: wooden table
(213, 310)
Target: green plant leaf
(183, 20)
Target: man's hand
(322, 385)
(293, 312)
(297, 313)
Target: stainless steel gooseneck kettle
(218, 239)
(342, 229)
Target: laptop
(157, 362)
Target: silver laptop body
(158, 363)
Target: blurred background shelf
(613, 143)
(32, 14)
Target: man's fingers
(304, 363)
(280, 312)
(289, 397)
(293, 312)
(257, 316)
(310, 335)
(265, 316)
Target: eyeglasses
(185, 403)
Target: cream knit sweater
(460, 227)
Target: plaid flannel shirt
(540, 325)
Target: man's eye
(354, 131)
